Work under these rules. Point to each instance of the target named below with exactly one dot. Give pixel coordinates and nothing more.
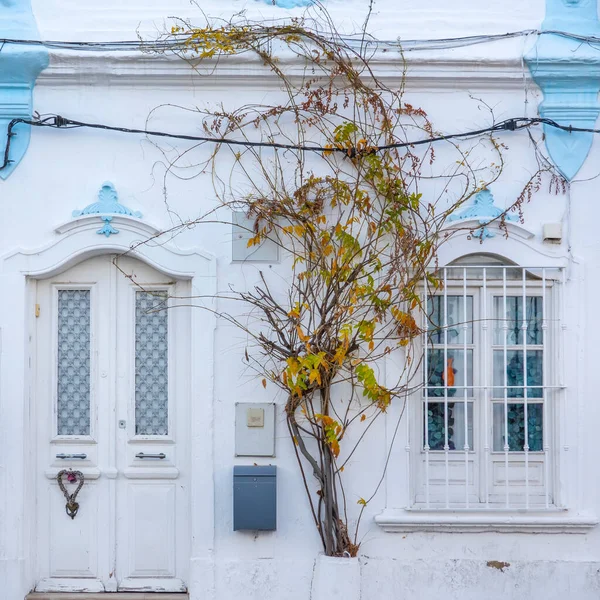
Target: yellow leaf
(253, 241)
(362, 502)
(335, 447)
(363, 417)
(340, 355)
(314, 375)
(301, 335)
(264, 383)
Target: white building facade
(147, 404)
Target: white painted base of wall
(477, 579)
(103, 596)
(383, 578)
(12, 578)
(336, 579)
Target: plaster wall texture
(63, 171)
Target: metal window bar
(426, 381)
(445, 371)
(505, 374)
(465, 390)
(505, 391)
(525, 382)
(486, 393)
(407, 448)
(544, 393)
(561, 333)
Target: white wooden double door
(110, 400)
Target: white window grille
(486, 426)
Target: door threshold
(107, 596)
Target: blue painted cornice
(20, 66)
(568, 73)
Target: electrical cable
(59, 122)
(178, 42)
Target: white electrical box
(254, 429)
(242, 230)
(552, 232)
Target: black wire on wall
(58, 122)
(177, 42)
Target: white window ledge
(403, 521)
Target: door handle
(65, 456)
(159, 456)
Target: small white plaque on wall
(242, 230)
(254, 429)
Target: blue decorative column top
(106, 208)
(483, 210)
(568, 73)
(571, 16)
(20, 66)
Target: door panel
(153, 505)
(107, 403)
(71, 553)
(152, 537)
(80, 537)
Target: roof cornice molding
(71, 68)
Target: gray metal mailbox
(255, 498)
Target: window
(73, 363)
(487, 410)
(151, 363)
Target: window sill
(405, 521)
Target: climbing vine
(359, 224)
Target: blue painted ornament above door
(20, 65)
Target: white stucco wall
(63, 170)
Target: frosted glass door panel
(151, 364)
(73, 377)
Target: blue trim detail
(106, 207)
(483, 210)
(20, 66)
(107, 229)
(568, 73)
(572, 16)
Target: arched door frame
(77, 241)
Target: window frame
(573, 513)
(56, 288)
(479, 489)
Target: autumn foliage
(357, 235)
